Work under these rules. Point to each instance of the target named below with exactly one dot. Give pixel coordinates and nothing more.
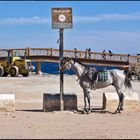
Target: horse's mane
(76, 60)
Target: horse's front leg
(85, 103)
(87, 93)
(88, 98)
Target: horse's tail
(127, 83)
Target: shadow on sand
(31, 110)
(94, 110)
(79, 111)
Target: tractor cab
(12, 56)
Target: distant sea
(52, 68)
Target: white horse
(88, 80)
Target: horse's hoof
(121, 108)
(88, 111)
(117, 111)
(84, 112)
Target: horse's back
(117, 72)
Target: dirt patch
(129, 105)
(29, 121)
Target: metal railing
(72, 53)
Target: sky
(99, 25)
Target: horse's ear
(64, 60)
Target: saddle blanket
(102, 76)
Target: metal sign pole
(61, 73)
(61, 19)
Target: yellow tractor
(15, 65)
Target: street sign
(61, 18)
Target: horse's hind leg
(121, 101)
(121, 98)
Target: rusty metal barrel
(51, 102)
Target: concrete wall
(7, 102)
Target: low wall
(7, 102)
(131, 102)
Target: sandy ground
(29, 121)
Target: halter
(84, 72)
(81, 75)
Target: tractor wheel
(14, 71)
(5, 74)
(25, 74)
(138, 78)
(1, 71)
(133, 77)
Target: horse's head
(66, 64)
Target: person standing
(104, 54)
(110, 52)
(86, 53)
(89, 53)
(75, 52)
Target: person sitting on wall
(89, 53)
